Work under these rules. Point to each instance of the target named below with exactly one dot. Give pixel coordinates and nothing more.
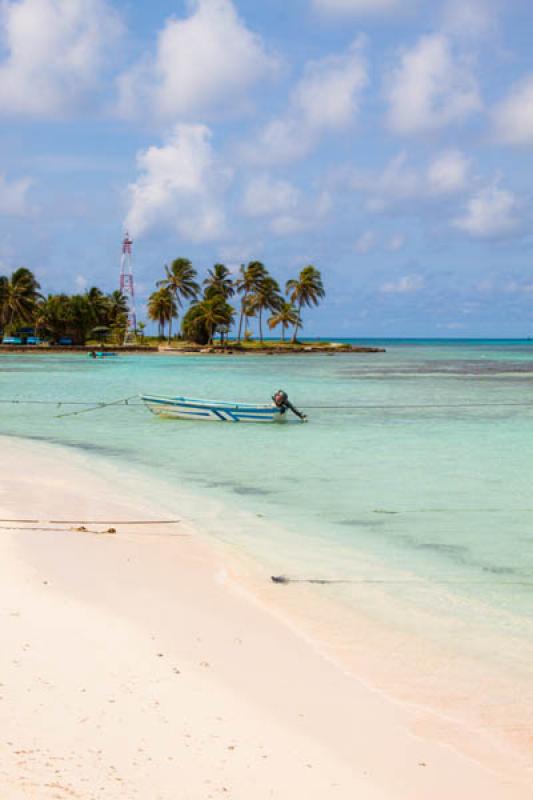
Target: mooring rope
(120, 401)
(126, 401)
(48, 529)
(58, 403)
(95, 521)
(447, 511)
(423, 405)
(418, 581)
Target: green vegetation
(285, 315)
(76, 317)
(162, 308)
(103, 318)
(212, 313)
(305, 290)
(180, 283)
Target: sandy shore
(136, 665)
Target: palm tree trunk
(169, 328)
(296, 323)
(260, 324)
(283, 332)
(243, 316)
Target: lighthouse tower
(127, 288)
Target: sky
(387, 142)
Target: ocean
(407, 496)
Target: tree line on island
(95, 315)
(77, 317)
(211, 312)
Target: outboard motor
(281, 400)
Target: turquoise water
(423, 490)
(455, 482)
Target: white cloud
(202, 62)
(328, 95)
(265, 196)
(509, 286)
(451, 326)
(326, 99)
(430, 87)
(287, 224)
(448, 172)
(179, 187)
(396, 242)
(489, 213)
(307, 214)
(518, 287)
(235, 253)
(404, 285)
(14, 196)
(366, 242)
(470, 18)
(513, 118)
(369, 240)
(397, 181)
(347, 7)
(55, 53)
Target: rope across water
(126, 401)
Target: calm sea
(410, 487)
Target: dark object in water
(285, 579)
(281, 400)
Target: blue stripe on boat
(229, 409)
(196, 413)
(250, 416)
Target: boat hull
(198, 410)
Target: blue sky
(387, 142)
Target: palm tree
(18, 297)
(53, 315)
(248, 281)
(162, 308)
(203, 318)
(286, 315)
(267, 295)
(305, 290)
(4, 281)
(80, 317)
(98, 302)
(180, 282)
(101, 332)
(115, 307)
(219, 282)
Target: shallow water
(411, 483)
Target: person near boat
(281, 400)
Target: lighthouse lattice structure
(127, 287)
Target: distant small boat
(213, 410)
(101, 354)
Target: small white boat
(214, 410)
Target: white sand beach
(137, 664)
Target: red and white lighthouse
(127, 287)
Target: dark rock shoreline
(192, 350)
